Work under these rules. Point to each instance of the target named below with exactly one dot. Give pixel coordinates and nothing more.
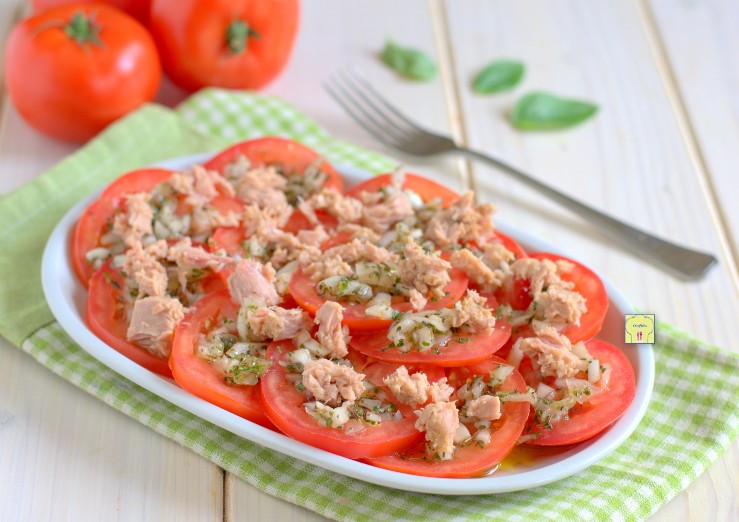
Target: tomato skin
(104, 319)
(586, 283)
(139, 9)
(479, 348)
(191, 37)
(139, 180)
(288, 154)
(588, 419)
(198, 376)
(427, 188)
(284, 406)
(471, 460)
(303, 289)
(69, 91)
(95, 219)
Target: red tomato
(461, 350)
(284, 406)
(198, 376)
(97, 218)
(470, 460)
(588, 419)
(303, 289)
(224, 43)
(72, 70)
(139, 9)
(289, 156)
(140, 180)
(587, 283)
(426, 188)
(106, 318)
(510, 244)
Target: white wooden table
(662, 153)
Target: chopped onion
(483, 436)
(462, 434)
(594, 370)
(543, 390)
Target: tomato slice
(86, 236)
(284, 406)
(596, 414)
(303, 289)
(292, 157)
(461, 350)
(198, 376)
(426, 188)
(587, 283)
(298, 221)
(470, 460)
(106, 318)
(142, 180)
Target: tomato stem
(237, 36)
(83, 29)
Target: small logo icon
(639, 328)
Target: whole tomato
(139, 9)
(72, 70)
(226, 43)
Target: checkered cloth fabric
(691, 420)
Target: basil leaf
(410, 63)
(544, 111)
(497, 76)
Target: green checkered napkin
(691, 420)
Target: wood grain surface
(660, 153)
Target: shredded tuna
(313, 237)
(252, 280)
(356, 250)
(486, 407)
(497, 256)
(148, 275)
(381, 216)
(136, 222)
(552, 352)
(408, 389)
(185, 255)
(331, 334)
(327, 266)
(462, 222)
(472, 312)
(206, 218)
(262, 187)
(359, 232)
(261, 220)
(558, 306)
(427, 273)
(542, 273)
(345, 209)
(200, 186)
(277, 323)
(332, 383)
(153, 322)
(417, 299)
(475, 268)
(440, 421)
(440, 391)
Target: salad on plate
(389, 323)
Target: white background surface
(661, 152)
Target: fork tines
(351, 90)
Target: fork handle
(685, 263)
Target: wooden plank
(701, 44)
(68, 456)
(634, 167)
(632, 161)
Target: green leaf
(498, 76)
(410, 63)
(544, 111)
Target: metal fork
(353, 92)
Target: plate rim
(588, 453)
